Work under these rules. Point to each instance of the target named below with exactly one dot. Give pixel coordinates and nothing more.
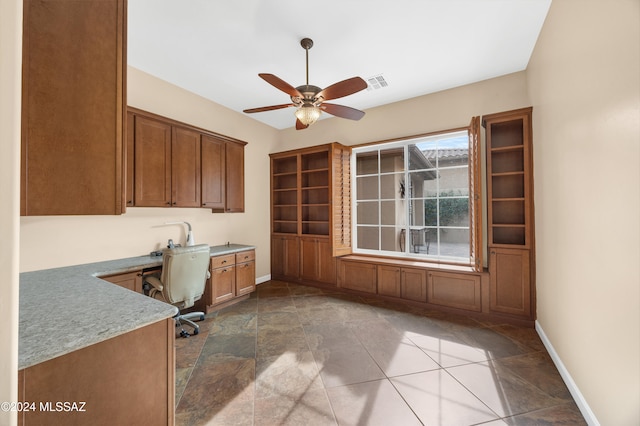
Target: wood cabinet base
(419, 284)
(129, 379)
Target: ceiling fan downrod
(307, 44)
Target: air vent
(376, 82)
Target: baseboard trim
(263, 279)
(568, 380)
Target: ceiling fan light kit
(308, 114)
(309, 99)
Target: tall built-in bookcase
(304, 189)
(510, 212)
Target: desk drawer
(245, 256)
(222, 261)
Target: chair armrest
(154, 282)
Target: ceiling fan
(310, 100)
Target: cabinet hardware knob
(224, 261)
(168, 203)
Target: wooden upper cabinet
(175, 164)
(213, 172)
(73, 107)
(167, 165)
(185, 168)
(234, 200)
(152, 163)
(129, 160)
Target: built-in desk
(82, 339)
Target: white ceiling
(216, 48)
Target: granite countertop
(66, 309)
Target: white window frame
(472, 226)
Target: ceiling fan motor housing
(309, 95)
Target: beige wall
(584, 80)
(65, 240)
(10, 68)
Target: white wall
(10, 88)
(584, 81)
(50, 241)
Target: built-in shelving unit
(284, 183)
(314, 186)
(304, 186)
(510, 212)
(507, 189)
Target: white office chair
(184, 273)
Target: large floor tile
(448, 350)
(346, 366)
(330, 336)
(231, 323)
(213, 386)
(289, 375)
(538, 369)
(310, 409)
(370, 403)
(438, 399)
(226, 347)
(503, 391)
(560, 415)
(394, 353)
(280, 340)
(492, 343)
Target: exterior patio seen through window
(411, 198)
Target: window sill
(403, 262)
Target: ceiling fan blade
(267, 108)
(300, 126)
(342, 111)
(278, 83)
(343, 88)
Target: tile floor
(297, 355)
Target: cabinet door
(152, 163)
(510, 287)
(326, 262)
(389, 280)
(223, 284)
(316, 260)
(213, 172)
(234, 177)
(131, 281)
(73, 107)
(414, 284)
(357, 276)
(284, 257)
(245, 278)
(185, 168)
(460, 291)
(308, 259)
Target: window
(416, 198)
